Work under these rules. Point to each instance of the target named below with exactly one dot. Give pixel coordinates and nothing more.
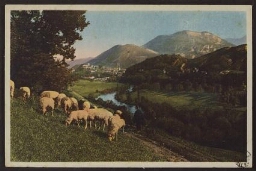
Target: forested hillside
(223, 72)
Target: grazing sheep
(47, 104)
(101, 115)
(115, 123)
(25, 92)
(59, 97)
(74, 103)
(76, 116)
(66, 104)
(51, 94)
(12, 86)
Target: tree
(36, 38)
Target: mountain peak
(124, 55)
(194, 33)
(189, 43)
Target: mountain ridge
(189, 44)
(123, 56)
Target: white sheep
(59, 97)
(86, 105)
(115, 123)
(74, 103)
(47, 104)
(25, 92)
(51, 94)
(101, 114)
(66, 104)
(12, 87)
(77, 116)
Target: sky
(110, 28)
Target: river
(111, 97)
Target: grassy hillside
(35, 138)
(38, 138)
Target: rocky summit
(189, 44)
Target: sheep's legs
(95, 126)
(103, 126)
(85, 124)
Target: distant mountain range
(123, 56)
(238, 41)
(189, 44)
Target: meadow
(38, 138)
(87, 88)
(179, 100)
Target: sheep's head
(119, 112)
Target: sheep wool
(47, 105)
(25, 92)
(115, 124)
(86, 105)
(12, 87)
(74, 103)
(76, 116)
(59, 97)
(66, 104)
(101, 114)
(51, 94)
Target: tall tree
(36, 38)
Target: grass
(85, 87)
(38, 138)
(178, 100)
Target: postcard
(130, 86)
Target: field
(191, 100)
(182, 99)
(86, 88)
(35, 138)
(38, 138)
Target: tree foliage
(37, 37)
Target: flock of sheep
(50, 100)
